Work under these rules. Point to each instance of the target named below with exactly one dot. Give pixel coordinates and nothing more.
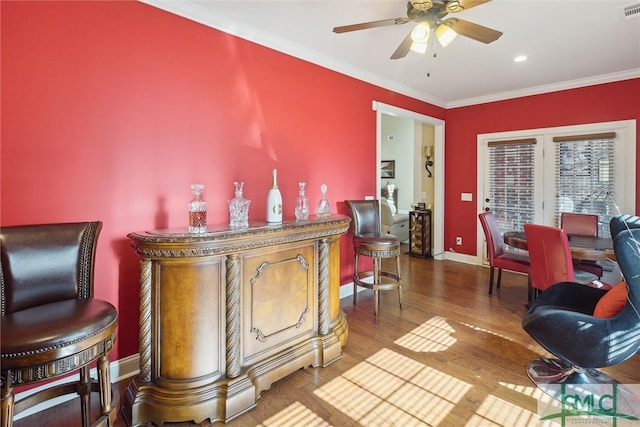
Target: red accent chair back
(579, 224)
(549, 256)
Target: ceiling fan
(430, 14)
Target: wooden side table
(420, 233)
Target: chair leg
(491, 270)
(104, 380)
(84, 390)
(499, 278)
(399, 280)
(7, 401)
(376, 282)
(355, 278)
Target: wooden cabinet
(226, 313)
(420, 233)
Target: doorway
(416, 159)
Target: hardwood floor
(452, 356)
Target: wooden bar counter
(226, 313)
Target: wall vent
(629, 12)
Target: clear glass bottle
(390, 200)
(274, 201)
(239, 208)
(302, 204)
(324, 208)
(197, 210)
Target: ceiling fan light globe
(445, 34)
(420, 33)
(419, 47)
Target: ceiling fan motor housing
(432, 15)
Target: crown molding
(193, 12)
(555, 87)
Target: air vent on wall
(629, 12)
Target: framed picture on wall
(388, 169)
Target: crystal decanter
(197, 210)
(324, 208)
(302, 204)
(239, 209)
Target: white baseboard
(119, 369)
(454, 256)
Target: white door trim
(438, 164)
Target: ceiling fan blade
(403, 48)
(372, 24)
(473, 31)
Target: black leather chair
(368, 240)
(561, 320)
(51, 325)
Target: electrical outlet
(458, 240)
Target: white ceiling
(569, 43)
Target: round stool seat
(383, 246)
(55, 331)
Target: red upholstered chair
(498, 258)
(51, 325)
(579, 224)
(549, 256)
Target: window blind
(584, 175)
(511, 182)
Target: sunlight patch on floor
(486, 331)
(391, 389)
(431, 336)
(530, 391)
(295, 415)
(498, 412)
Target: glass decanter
(324, 208)
(302, 204)
(197, 210)
(239, 209)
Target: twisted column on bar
(145, 320)
(323, 287)
(233, 315)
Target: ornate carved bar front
(226, 313)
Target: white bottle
(274, 201)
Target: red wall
(110, 110)
(592, 104)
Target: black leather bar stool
(51, 325)
(369, 241)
